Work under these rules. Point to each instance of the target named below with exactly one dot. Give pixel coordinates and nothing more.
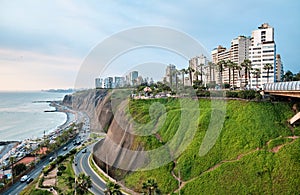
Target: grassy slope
(248, 126)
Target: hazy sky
(44, 43)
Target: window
(268, 51)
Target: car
(75, 163)
(30, 179)
(24, 178)
(84, 150)
(51, 159)
(65, 148)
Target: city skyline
(42, 45)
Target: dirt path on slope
(239, 157)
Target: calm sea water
(20, 118)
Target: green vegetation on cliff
(255, 153)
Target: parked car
(30, 179)
(24, 178)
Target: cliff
(96, 104)
(108, 114)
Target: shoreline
(7, 146)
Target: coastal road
(82, 159)
(18, 186)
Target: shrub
(232, 94)
(62, 168)
(202, 93)
(247, 94)
(59, 173)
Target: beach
(9, 148)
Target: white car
(24, 178)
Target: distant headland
(59, 90)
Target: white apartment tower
(218, 54)
(261, 52)
(238, 52)
(171, 74)
(198, 64)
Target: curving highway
(82, 159)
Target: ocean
(21, 117)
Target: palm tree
(235, 67)
(83, 184)
(112, 189)
(211, 67)
(221, 65)
(183, 72)
(190, 70)
(268, 67)
(150, 187)
(196, 74)
(248, 67)
(201, 72)
(229, 64)
(256, 74)
(288, 76)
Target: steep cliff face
(96, 104)
(117, 149)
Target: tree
(268, 67)
(83, 183)
(229, 64)
(19, 168)
(201, 72)
(288, 76)
(150, 187)
(211, 67)
(196, 74)
(220, 66)
(112, 188)
(248, 67)
(190, 70)
(256, 74)
(235, 67)
(183, 73)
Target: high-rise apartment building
(119, 82)
(262, 52)
(99, 83)
(237, 53)
(108, 83)
(198, 64)
(171, 74)
(133, 77)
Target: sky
(45, 44)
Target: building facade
(262, 52)
(171, 74)
(98, 83)
(199, 64)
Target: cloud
(24, 70)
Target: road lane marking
(81, 159)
